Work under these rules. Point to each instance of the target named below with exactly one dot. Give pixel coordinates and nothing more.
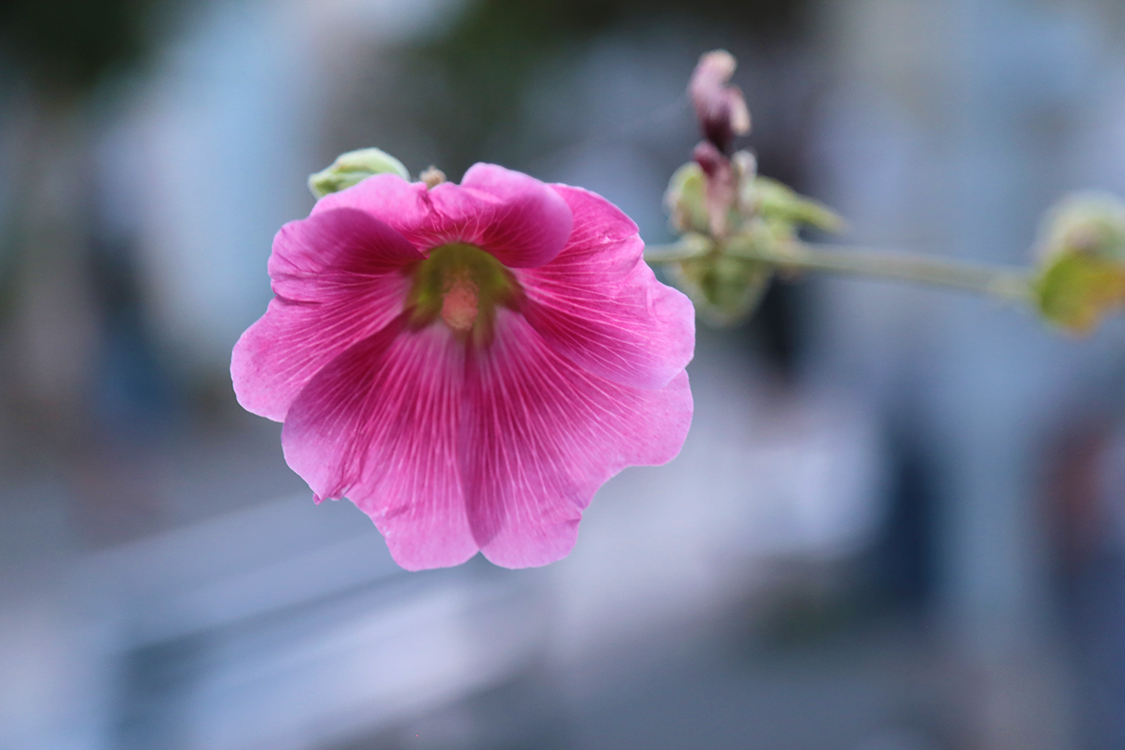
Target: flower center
(462, 285)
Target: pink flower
(468, 363)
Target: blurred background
(898, 522)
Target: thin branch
(1004, 282)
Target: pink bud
(719, 106)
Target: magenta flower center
(462, 285)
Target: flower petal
(540, 435)
(520, 220)
(380, 425)
(529, 225)
(338, 278)
(600, 305)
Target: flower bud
(737, 214)
(725, 289)
(713, 195)
(719, 106)
(350, 168)
(1081, 273)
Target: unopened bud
(1087, 223)
(718, 197)
(719, 106)
(725, 289)
(1081, 261)
(350, 168)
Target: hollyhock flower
(468, 363)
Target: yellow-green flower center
(462, 285)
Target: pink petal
(598, 304)
(338, 278)
(380, 425)
(540, 435)
(517, 218)
(530, 224)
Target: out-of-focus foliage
(71, 44)
(482, 96)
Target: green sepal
(686, 200)
(777, 202)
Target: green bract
(350, 168)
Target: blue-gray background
(898, 522)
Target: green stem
(1010, 284)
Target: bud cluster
(721, 202)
